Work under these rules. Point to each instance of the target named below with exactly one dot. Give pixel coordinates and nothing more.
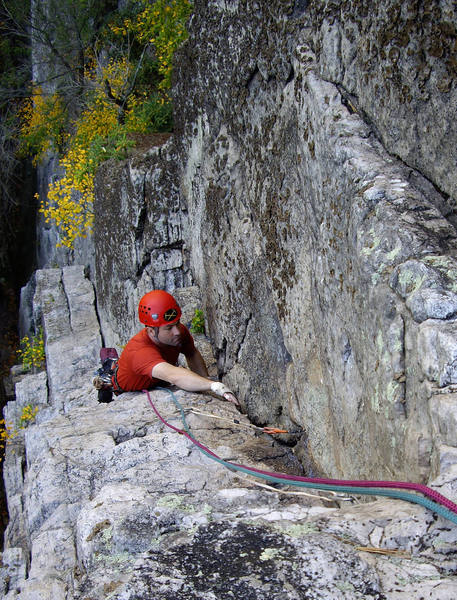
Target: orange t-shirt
(141, 355)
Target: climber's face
(169, 335)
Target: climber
(149, 358)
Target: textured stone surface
(309, 219)
(302, 189)
(309, 189)
(138, 237)
(396, 60)
(67, 307)
(107, 502)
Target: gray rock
(141, 247)
(429, 287)
(438, 352)
(295, 200)
(393, 61)
(71, 327)
(301, 192)
(245, 561)
(447, 457)
(443, 408)
(12, 571)
(105, 500)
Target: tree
(99, 75)
(15, 75)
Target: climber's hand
(231, 398)
(218, 388)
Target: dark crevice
(271, 457)
(144, 263)
(221, 358)
(251, 77)
(243, 336)
(97, 314)
(437, 197)
(23, 466)
(142, 215)
(291, 75)
(147, 255)
(64, 291)
(347, 103)
(87, 276)
(122, 434)
(404, 406)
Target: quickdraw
(236, 422)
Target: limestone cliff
(308, 195)
(309, 191)
(105, 502)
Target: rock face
(138, 237)
(396, 61)
(105, 501)
(309, 189)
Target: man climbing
(149, 358)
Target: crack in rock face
(123, 434)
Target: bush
(31, 353)
(8, 431)
(43, 125)
(117, 102)
(198, 322)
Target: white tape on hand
(220, 389)
(217, 387)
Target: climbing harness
(439, 505)
(105, 380)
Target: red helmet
(158, 308)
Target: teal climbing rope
(368, 488)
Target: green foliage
(116, 73)
(43, 124)
(9, 431)
(154, 115)
(115, 145)
(198, 322)
(31, 353)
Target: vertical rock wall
(138, 237)
(325, 259)
(397, 62)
